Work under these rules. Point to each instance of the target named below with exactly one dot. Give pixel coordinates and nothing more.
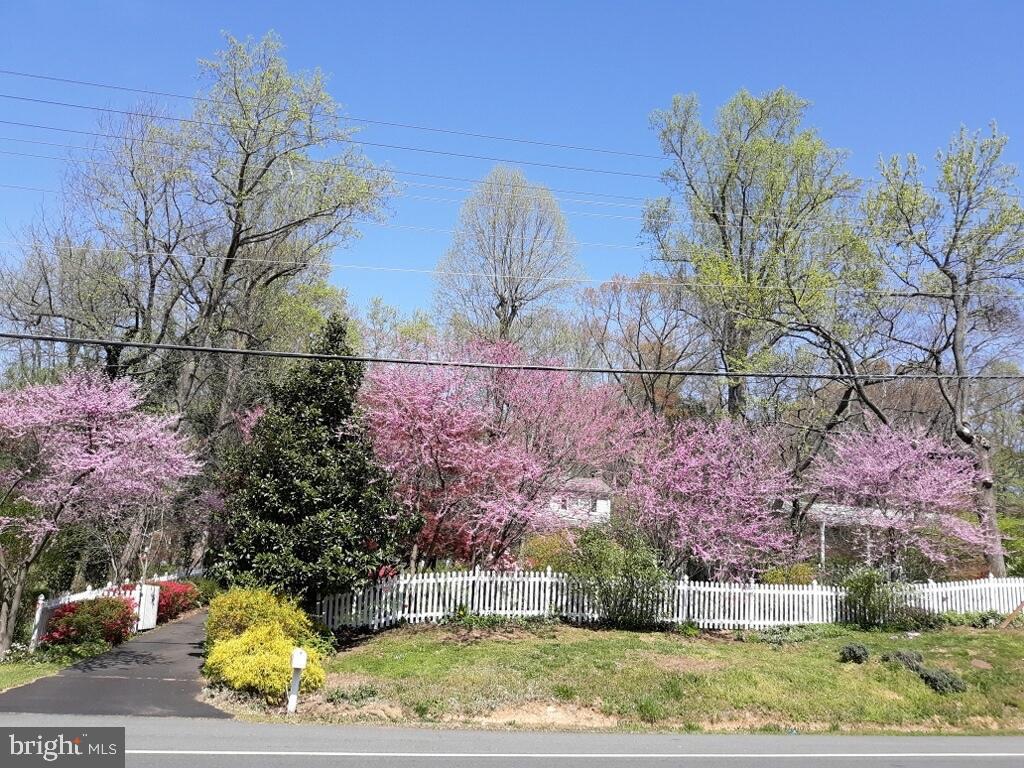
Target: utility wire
(494, 137)
(368, 121)
(652, 281)
(356, 142)
(285, 175)
(335, 163)
(505, 366)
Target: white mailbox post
(298, 664)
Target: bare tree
(955, 251)
(644, 323)
(511, 257)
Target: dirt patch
(541, 715)
(346, 680)
(682, 664)
(980, 664)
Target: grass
(561, 676)
(15, 673)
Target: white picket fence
(145, 598)
(430, 597)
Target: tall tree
(954, 252)
(310, 509)
(511, 256)
(199, 230)
(743, 195)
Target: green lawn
(18, 673)
(560, 676)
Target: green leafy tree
(748, 197)
(309, 509)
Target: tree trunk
(131, 548)
(10, 608)
(987, 510)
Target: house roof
(586, 486)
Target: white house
(583, 501)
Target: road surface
(179, 742)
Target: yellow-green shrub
(260, 661)
(236, 610)
(798, 573)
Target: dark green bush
(208, 589)
(854, 652)
(912, 660)
(912, 619)
(942, 680)
(872, 598)
(621, 576)
(987, 620)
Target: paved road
(177, 743)
(155, 673)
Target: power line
(356, 142)
(504, 366)
(111, 164)
(649, 282)
(369, 121)
(334, 163)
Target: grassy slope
(714, 683)
(19, 673)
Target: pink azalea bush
(911, 488)
(710, 495)
(480, 452)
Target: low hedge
(176, 597)
(103, 620)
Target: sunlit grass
(708, 682)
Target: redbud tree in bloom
(708, 494)
(481, 452)
(909, 489)
(79, 452)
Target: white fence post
(37, 624)
(431, 596)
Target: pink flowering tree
(75, 453)
(481, 452)
(709, 495)
(910, 491)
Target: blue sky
(883, 78)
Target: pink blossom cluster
(711, 494)
(83, 450)
(910, 486)
(480, 452)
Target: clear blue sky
(884, 77)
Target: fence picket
(430, 597)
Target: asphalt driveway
(156, 673)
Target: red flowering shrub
(106, 619)
(176, 597)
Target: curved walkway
(156, 673)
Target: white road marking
(577, 755)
